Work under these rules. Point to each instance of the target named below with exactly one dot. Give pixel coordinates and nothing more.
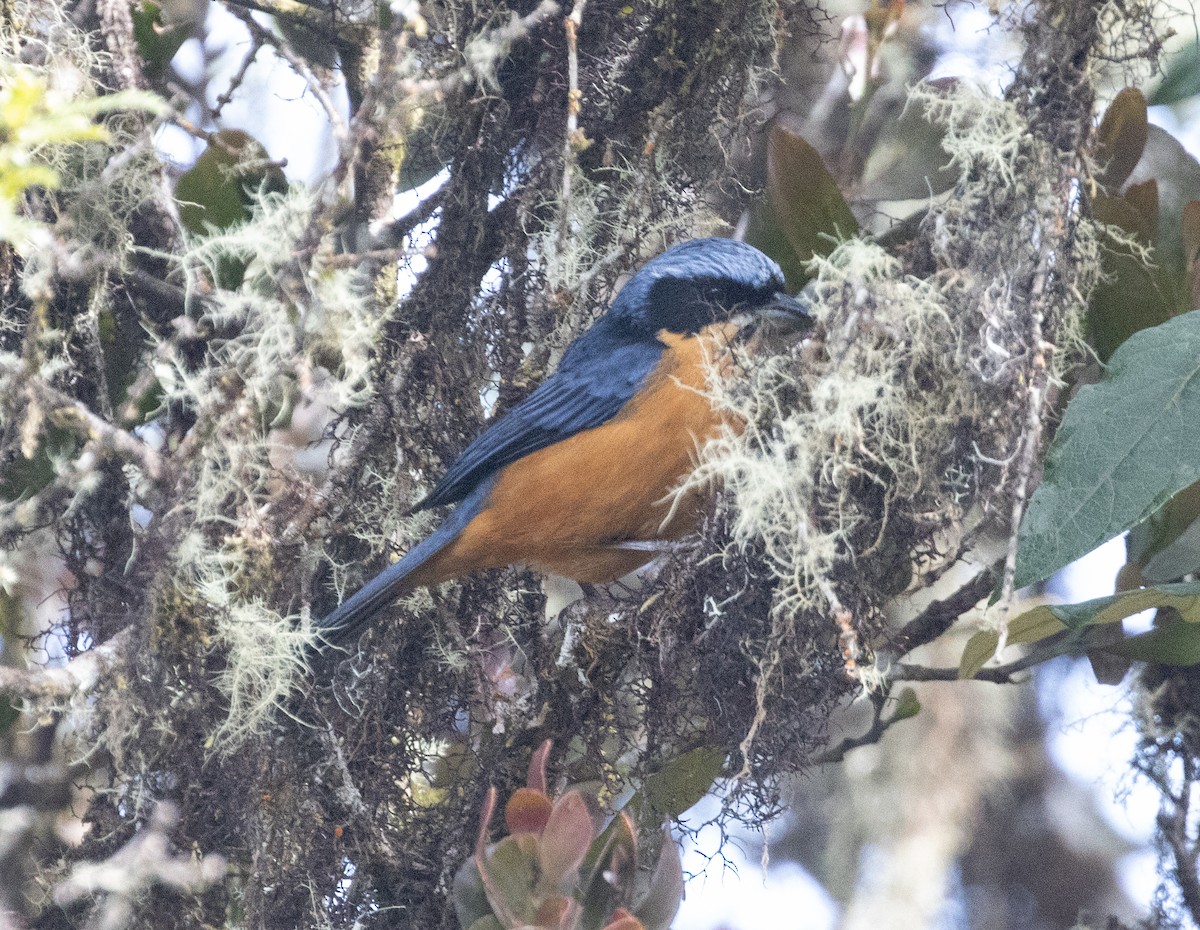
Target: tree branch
(939, 616)
(79, 675)
(1000, 674)
(76, 416)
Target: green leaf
(1135, 293)
(509, 875)
(1172, 642)
(813, 212)
(1189, 225)
(764, 231)
(1183, 597)
(1125, 447)
(1177, 175)
(1182, 78)
(157, 42)
(1175, 641)
(1180, 557)
(978, 650)
(608, 870)
(908, 161)
(22, 477)
(907, 704)
(423, 158)
(1167, 545)
(1190, 229)
(684, 780)
(803, 214)
(1034, 625)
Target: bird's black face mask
(687, 305)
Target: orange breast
(562, 508)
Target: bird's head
(706, 281)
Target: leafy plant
(560, 867)
(1125, 447)
(35, 117)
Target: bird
(578, 478)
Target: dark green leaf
(157, 42)
(1172, 642)
(907, 705)
(684, 780)
(814, 214)
(509, 876)
(1182, 78)
(1125, 447)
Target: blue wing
(597, 377)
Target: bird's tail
(417, 568)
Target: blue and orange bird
(577, 478)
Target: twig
(574, 140)
(116, 25)
(236, 81)
(144, 861)
(843, 618)
(1031, 439)
(1000, 674)
(939, 616)
(354, 259)
(347, 793)
(1173, 825)
(79, 675)
(481, 52)
(874, 733)
(1184, 853)
(391, 235)
(160, 291)
(337, 122)
(75, 416)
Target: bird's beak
(789, 314)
